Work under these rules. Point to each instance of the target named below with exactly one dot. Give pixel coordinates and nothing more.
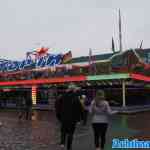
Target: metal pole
(123, 94)
(90, 61)
(120, 33)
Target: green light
(109, 76)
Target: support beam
(123, 93)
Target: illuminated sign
(29, 63)
(37, 58)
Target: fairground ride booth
(44, 76)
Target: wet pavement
(42, 133)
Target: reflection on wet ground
(42, 133)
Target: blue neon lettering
(45, 61)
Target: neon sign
(28, 63)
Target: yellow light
(34, 92)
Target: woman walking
(68, 112)
(100, 110)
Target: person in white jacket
(100, 110)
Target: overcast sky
(75, 25)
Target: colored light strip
(76, 79)
(42, 81)
(140, 77)
(34, 93)
(109, 76)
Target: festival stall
(41, 73)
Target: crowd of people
(71, 108)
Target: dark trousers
(21, 112)
(99, 133)
(25, 113)
(85, 116)
(67, 132)
(28, 114)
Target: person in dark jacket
(85, 106)
(21, 108)
(28, 106)
(68, 112)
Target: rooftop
(143, 53)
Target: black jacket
(68, 108)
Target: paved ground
(42, 133)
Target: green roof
(143, 53)
(94, 57)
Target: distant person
(21, 107)
(58, 107)
(100, 110)
(68, 112)
(3, 102)
(28, 106)
(85, 105)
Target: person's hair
(73, 87)
(100, 95)
(83, 96)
